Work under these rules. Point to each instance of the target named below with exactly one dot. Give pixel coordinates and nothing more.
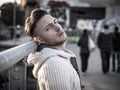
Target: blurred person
(104, 42)
(116, 50)
(51, 60)
(84, 50)
(18, 32)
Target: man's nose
(56, 27)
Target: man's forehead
(44, 21)
(46, 18)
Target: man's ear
(39, 40)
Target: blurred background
(73, 15)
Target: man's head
(85, 31)
(44, 28)
(32, 20)
(106, 27)
(116, 29)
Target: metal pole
(14, 13)
(14, 17)
(11, 56)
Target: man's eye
(47, 28)
(55, 21)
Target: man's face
(50, 31)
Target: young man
(104, 43)
(84, 50)
(52, 66)
(116, 50)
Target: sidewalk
(94, 79)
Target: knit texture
(53, 70)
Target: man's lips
(60, 34)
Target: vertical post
(14, 24)
(14, 16)
(18, 76)
(0, 13)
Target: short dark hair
(116, 28)
(85, 31)
(31, 21)
(106, 27)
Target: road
(94, 79)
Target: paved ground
(94, 79)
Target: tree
(7, 17)
(7, 13)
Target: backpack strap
(74, 64)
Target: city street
(94, 79)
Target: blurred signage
(92, 13)
(84, 24)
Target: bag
(91, 45)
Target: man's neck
(60, 47)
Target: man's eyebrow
(50, 23)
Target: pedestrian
(104, 42)
(116, 50)
(18, 32)
(51, 60)
(84, 51)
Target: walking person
(51, 60)
(18, 32)
(116, 50)
(104, 42)
(84, 51)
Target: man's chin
(57, 43)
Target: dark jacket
(83, 43)
(116, 41)
(104, 41)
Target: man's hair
(85, 31)
(116, 29)
(106, 27)
(31, 21)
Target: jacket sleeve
(55, 75)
